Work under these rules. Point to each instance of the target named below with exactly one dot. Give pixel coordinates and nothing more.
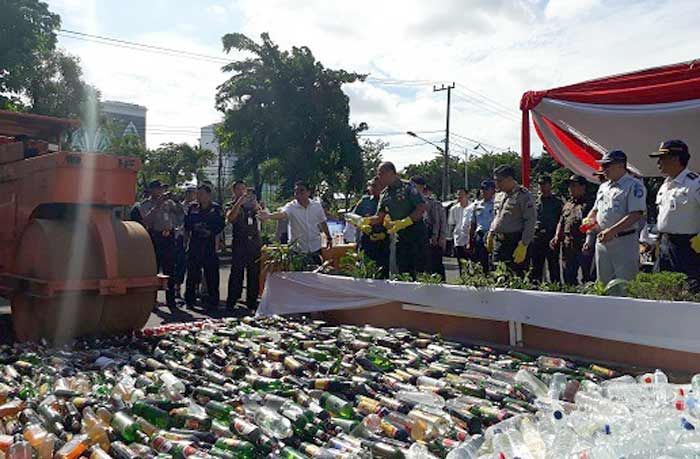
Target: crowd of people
(578, 239)
(404, 229)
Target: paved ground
(162, 314)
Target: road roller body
(68, 266)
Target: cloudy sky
(493, 50)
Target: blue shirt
(204, 225)
(483, 215)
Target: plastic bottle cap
(607, 429)
(558, 415)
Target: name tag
(250, 221)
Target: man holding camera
(245, 247)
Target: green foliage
(372, 156)
(176, 164)
(34, 75)
(661, 286)
(358, 265)
(430, 279)
(402, 277)
(286, 106)
(280, 257)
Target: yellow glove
(519, 253)
(387, 222)
(695, 243)
(366, 229)
(399, 225)
(489, 242)
(377, 237)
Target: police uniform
(481, 222)
(618, 258)
(160, 222)
(678, 221)
(376, 244)
(399, 200)
(246, 250)
(572, 255)
(514, 221)
(548, 212)
(203, 225)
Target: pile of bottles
(624, 417)
(275, 387)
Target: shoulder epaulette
(693, 176)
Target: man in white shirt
(454, 220)
(679, 212)
(306, 222)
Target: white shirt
(461, 234)
(303, 224)
(455, 221)
(679, 204)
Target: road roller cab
(67, 265)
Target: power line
(484, 96)
(486, 107)
(396, 133)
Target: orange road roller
(68, 265)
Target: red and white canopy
(633, 112)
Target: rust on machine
(35, 126)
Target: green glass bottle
(218, 410)
(153, 414)
(126, 427)
(239, 449)
(290, 453)
(263, 384)
(336, 405)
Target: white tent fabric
(635, 129)
(670, 325)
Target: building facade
(129, 117)
(208, 140)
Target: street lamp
(446, 165)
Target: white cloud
(498, 48)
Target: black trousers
(462, 256)
(245, 261)
(540, 253)
(677, 255)
(411, 250)
(180, 260)
(573, 258)
(196, 263)
(434, 259)
(504, 245)
(166, 252)
(377, 251)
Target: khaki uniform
(514, 221)
(572, 255)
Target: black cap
(613, 156)
(155, 184)
(488, 185)
(205, 186)
(671, 147)
(544, 178)
(580, 179)
(504, 171)
(418, 180)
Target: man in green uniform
(570, 237)
(548, 212)
(401, 209)
(513, 226)
(374, 241)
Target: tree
(176, 164)
(284, 109)
(372, 156)
(34, 75)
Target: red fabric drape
(525, 148)
(671, 83)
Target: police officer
(513, 226)
(203, 223)
(245, 247)
(619, 207)
(569, 236)
(679, 212)
(548, 212)
(479, 224)
(436, 224)
(159, 215)
(401, 209)
(374, 241)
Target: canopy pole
(525, 148)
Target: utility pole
(466, 165)
(446, 165)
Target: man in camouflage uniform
(569, 235)
(548, 212)
(401, 209)
(436, 224)
(513, 226)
